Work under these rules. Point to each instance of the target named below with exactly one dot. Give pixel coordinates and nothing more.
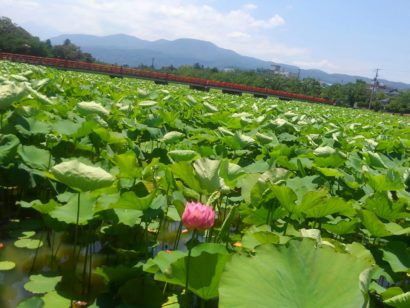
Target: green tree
(400, 103)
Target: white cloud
(250, 6)
(321, 64)
(236, 29)
(238, 34)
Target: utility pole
(152, 63)
(374, 87)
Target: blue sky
(349, 36)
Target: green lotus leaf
(10, 93)
(183, 155)
(7, 265)
(8, 148)
(35, 157)
(399, 301)
(392, 180)
(86, 108)
(264, 139)
(225, 131)
(397, 254)
(298, 274)
(41, 284)
(32, 302)
(205, 269)
(28, 243)
(207, 171)
(147, 103)
(53, 299)
(77, 175)
(172, 137)
(69, 212)
(210, 107)
(39, 97)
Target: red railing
(137, 73)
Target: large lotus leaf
(283, 125)
(255, 237)
(328, 157)
(41, 284)
(183, 155)
(383, 207)
(92, 108)
(39, 97)
(32, 126)
(225, 131)
(162, 261)
(238, 141)
(11, 92)
(265, 139)
(374, 160)
(147, 103)
(53, 299)
(128, 217)
(207, 171)
(35, 157)
(385, 182)
(294, 275)
(8, 148)
(127, 163)
(342, 227)
(373, 224)
(301, 186)
(399, 301)
(397, 254)
(68, 213)
(185, 172)
(205, 269)
(329, 206)
(130, 201)
(230, 173)
(80, 176)
(109, 136)
(172, 137)
(66, 127)
(286, 197)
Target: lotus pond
(307, 205)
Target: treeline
(356, 94)
(15, 39)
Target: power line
(374, 87)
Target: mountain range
(128, 50)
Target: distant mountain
(124, 49)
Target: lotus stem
(178, 236)
(84, 286)
(35, 255)
(76, 232)
(193, 239)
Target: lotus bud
(198, 216)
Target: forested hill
(129, 50)
(15, 39)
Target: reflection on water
(27, 262)
(58, 260)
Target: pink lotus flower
(198, 216)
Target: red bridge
(159, 78)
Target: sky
(338, 36)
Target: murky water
(58, 261)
